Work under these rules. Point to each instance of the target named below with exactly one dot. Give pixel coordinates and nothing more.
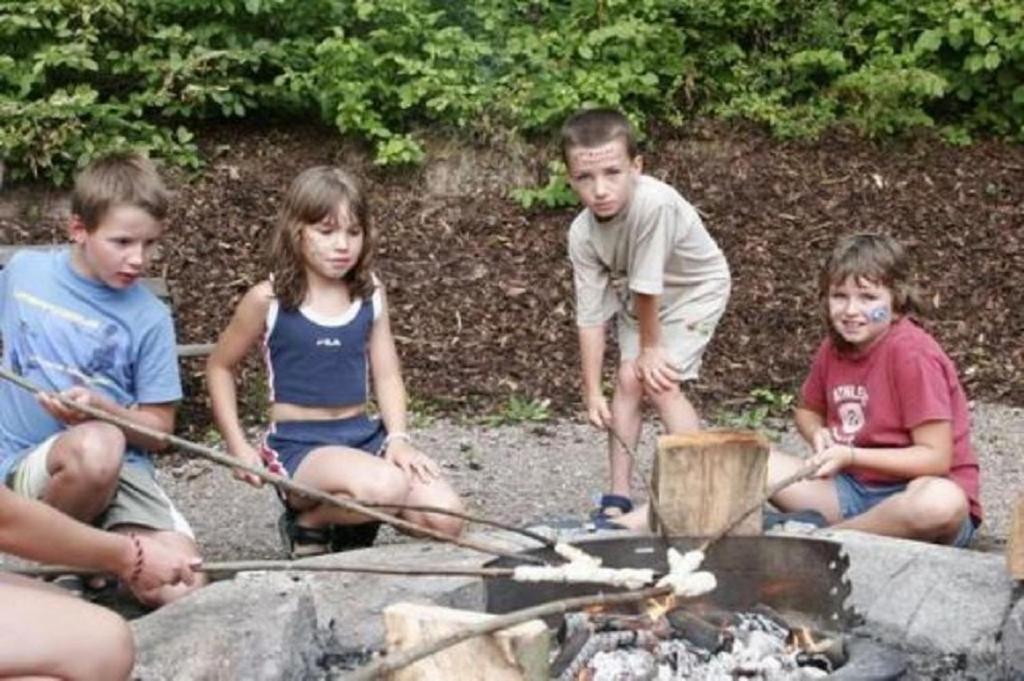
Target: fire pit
(778, 612)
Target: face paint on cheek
(878, 314)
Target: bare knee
(627, 384)
(448, 524)
(934, 507)
(93, 455)
(666, 399)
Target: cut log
(1015, 542)
(706, 478)
(519, 653)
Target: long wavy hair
(877, 258)
(314, 194)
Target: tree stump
(519, 653)
(706, 478)
(1015, 542)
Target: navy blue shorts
(856, 497)
(289, 442)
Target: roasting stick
(235, 567)
(802, 474)
(277, 480)
(403, 658)
(652, 498)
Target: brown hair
(596, 127)
(314, 194)
(118, 179)
(878, 258)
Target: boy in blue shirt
(76, 321)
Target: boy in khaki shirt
(640, 254)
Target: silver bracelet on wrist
(397, 435)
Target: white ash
(759, 651)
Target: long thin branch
(234, 567)
(408, 656)
(652, 498)
(277, 480)
(802, 474)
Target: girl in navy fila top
(321, 320)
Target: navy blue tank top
(315, 361)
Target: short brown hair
(878, 258)
(595, 127)
(314, 194)
(118, 179)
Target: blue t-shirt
(61, 329)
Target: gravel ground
(529, 473)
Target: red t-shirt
(876, 398)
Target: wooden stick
(234, 567)
(802, 474)
(406, 657)
(480, 520)
(277, 480)
(652, 498)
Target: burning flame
(801, 638)
(659, 607)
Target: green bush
(79, 78)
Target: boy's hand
(161, 565)
(832, 460)
(598, 412)
(654, 370)
(414, 462)
(77, 394)
(247, 454)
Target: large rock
(1013, 642)
(349, 607)
(257, 626)
(929, 597)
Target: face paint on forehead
(603, 154)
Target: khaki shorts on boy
(138, 500)
(686, 329)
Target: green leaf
(982, 35)
(1018, 95)
(992, 60)
(929, 41)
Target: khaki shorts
(686, 334)
(138, 500)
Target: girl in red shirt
(883, 410)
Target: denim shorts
(856, 497)
(287, 443)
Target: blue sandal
(610, 501)
(808, 516)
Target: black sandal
(348, 537)
(300, 541)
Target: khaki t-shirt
(657, 246)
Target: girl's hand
(832, 460)
(414, 462)
(246, 453)
(598, 413)
(654, 370)
(822, 440)
(160, 565)
(77, 394)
